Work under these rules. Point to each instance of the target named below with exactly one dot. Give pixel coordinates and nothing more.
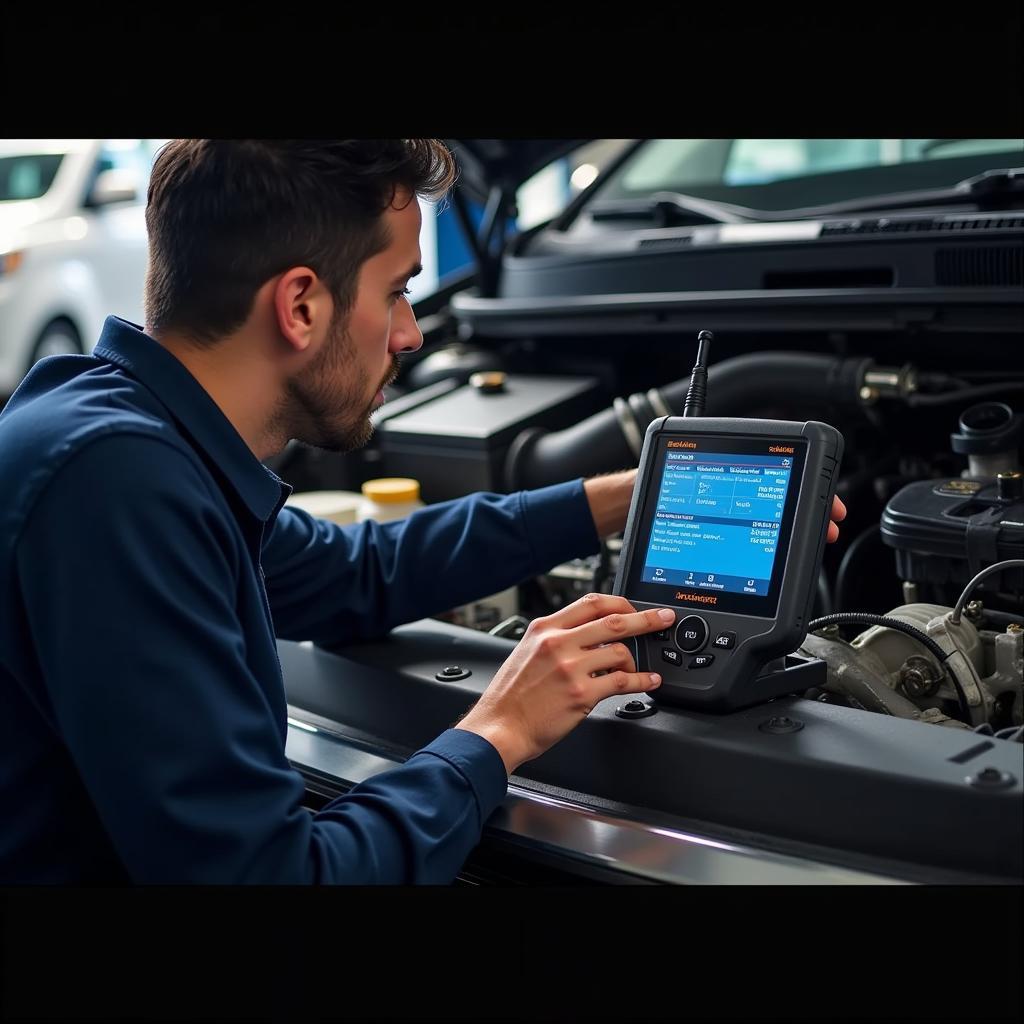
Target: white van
(72, 244)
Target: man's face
(332, 398)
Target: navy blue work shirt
(146, 566)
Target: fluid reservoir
(393, 497)
(338, 506)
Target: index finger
(838, 513)
(617, 626)
(587, 608)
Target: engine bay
(932, 478)
(918, 722)
(919, 719)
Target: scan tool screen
(718, 519)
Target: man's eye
(397, 295)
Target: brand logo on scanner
(702, 598)
(682, 444)
(781, 448)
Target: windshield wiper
(674, 209)
(999, 183)
(990, 188)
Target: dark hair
(226, 215)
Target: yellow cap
(392, 489)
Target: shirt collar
(126, 345)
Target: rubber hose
(598, 444)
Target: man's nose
(406, 335)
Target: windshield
(783, 174)
(27, 175)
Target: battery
(457, 443)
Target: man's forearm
(609, 498)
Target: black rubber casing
(730, 681)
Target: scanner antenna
(695, 393)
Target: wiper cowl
(674, 209)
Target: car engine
(926, 514)
(900, 329)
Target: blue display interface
(717, 521)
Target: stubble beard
(317, 408)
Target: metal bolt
(973, 609)
(1015, 627)
(868, 395)
(991, 778)
(780, 724)
(918, 678)
(636, 709)
(452, 674)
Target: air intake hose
(611, 440)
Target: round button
(691, 634)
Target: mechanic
(147, 560)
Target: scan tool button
(673, 657)
(691, 634)
(725, 641)
(701, 661)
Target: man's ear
(302, 306)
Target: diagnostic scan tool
(727, 526)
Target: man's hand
(565, 664)
(609, 498)
(610, 495)
(838, 515)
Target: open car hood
(485, 163)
